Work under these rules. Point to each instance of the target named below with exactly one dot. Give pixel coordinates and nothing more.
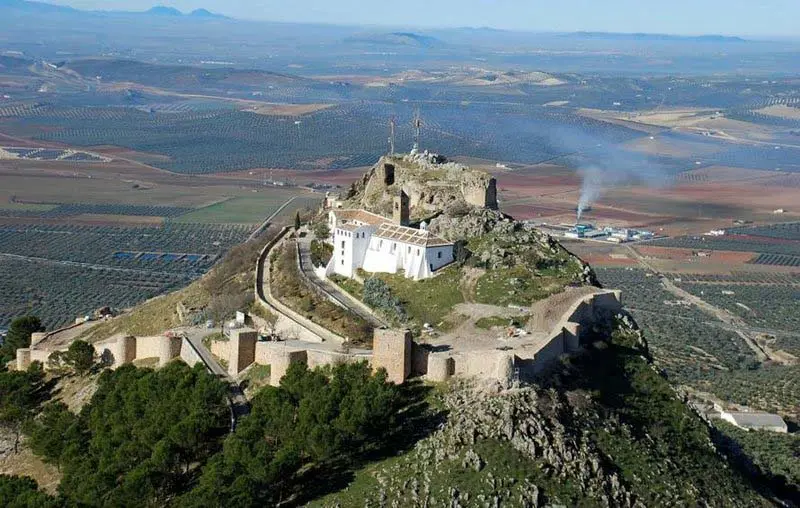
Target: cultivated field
(118, 233)
(703, 353)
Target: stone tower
(400, 209)
(391, 350)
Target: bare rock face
(430, 181)
(460, 221)
(529, 420)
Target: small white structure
(755, 421)
(362, 239)
(623, 234)
(716, 232)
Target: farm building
(755, 420)
(362, 239)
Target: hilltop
(500, 262)
(598, 427)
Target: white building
(374, 243)
(755, 420)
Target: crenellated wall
(113, 352)
(393, 350)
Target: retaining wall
(189, 354)
(306, 329)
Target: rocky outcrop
(527, 419)
(431, 183)
(498, 241)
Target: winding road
(331, 290)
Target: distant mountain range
(396, 39)
(653, 37)
(158, 10)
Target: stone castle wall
(148, 347)
(242, 350)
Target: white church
(369, 241)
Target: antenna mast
(391, 136)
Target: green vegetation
(521, 269)
(289, 286)
(502, 464)
(316, 420)
(19, 336)
(320, 228)
(140, 438)
(133, 264)
(695, 350)
(240, 210)
(610, 411)
(427, 300)
(23, 492)
(773, 306)
(321, 252)
(257, 376)
(80, 357)
(21, 394)
(378, 295)
(352, 286)
(516, 286)
(229, 284)
(773, 453)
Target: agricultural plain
(77, 236)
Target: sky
(727, 17)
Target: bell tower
(400, 209)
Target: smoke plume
(603, 165)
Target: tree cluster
(315, 418)
(21, 394)
(79, 357)
(140, 439)
(19, 336)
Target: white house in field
(362, 239)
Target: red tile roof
(373, 219)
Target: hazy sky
(739, 17)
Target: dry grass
(152, 317)
(781, 110)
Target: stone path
(237, 401)
(331, 290)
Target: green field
(27, 207)
(240, 210)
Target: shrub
(378, 295)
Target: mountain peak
(205, 13)
(162, 10)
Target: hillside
(604, 430)
(500, 262)
(178, 77)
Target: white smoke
(591, 188)
(607, 165)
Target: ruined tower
(400, 209)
